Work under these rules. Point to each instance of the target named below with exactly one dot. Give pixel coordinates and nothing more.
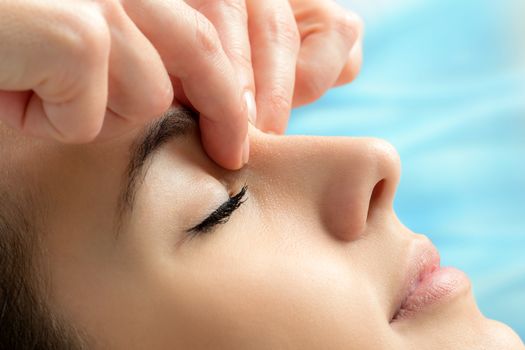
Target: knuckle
(159, 103)
(109, 7)
(283, 30)
(243, 60)
(236, 9)
(236, 12)
(88, 37)
(327, 12)
(349, 25)
(206, 37)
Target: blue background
(444, 82)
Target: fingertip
(274, 109)
(164, 99)
(230, 160)
(311, 83)
(273, 125)
(352, 67)
(225, 145)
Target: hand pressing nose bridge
(107, 66)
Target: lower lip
(441, 285)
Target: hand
(69, 69)
(285, 53)
(331, 48)
(300, 49)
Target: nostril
(377, 193)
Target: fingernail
(249, 100)
(246, 151)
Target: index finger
(230, 18)
(193, 53)
(275, 44)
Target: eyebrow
(174, 123)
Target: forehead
(18, 157)
(63, 178)
(25, 154)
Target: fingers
(68, 90)
(70, 100)
(275, 44)
(195, 56)
(352, 66)
(330, 52)
(230, 19)
(91, 49)
(139, 85)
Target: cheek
(240, 294)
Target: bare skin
(82, 70)
(315, 257)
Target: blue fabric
(444, 81)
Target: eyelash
(221, 215)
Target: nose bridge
(346, 179)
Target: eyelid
(221, 215)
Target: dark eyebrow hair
(175, 122)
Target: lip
(426, 282)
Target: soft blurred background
(444, 81)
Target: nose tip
(387, 161)
(367, 185)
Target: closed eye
(221, 215)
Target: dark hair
(26, 321)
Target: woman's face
(313, 258)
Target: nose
(346, 181)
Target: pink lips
(427, 283)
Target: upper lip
(423, 259)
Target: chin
(502, 337)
